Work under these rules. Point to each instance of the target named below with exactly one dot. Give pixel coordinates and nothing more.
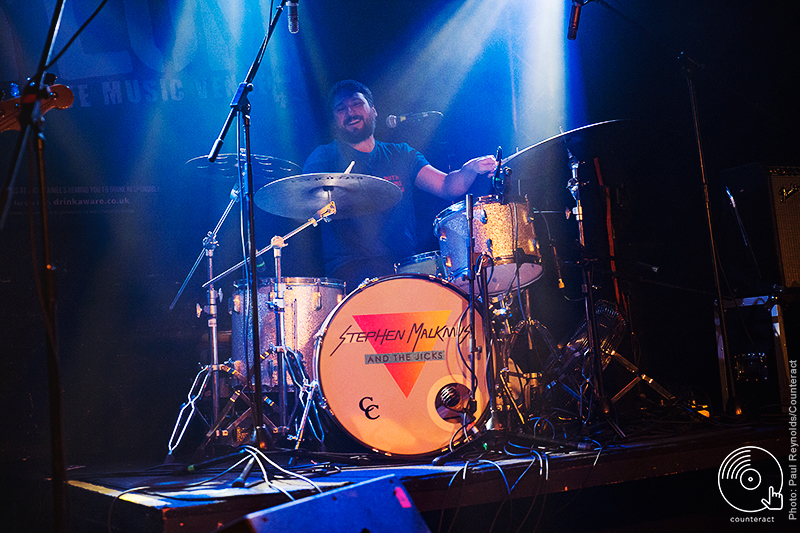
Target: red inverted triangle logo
(411, 332)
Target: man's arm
(456, 183)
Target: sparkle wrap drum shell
(307, 303)
(498, 230)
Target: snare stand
(278, 308)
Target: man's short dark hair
(349, 87)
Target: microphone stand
(30, 121)
(473, 348)
(733, 407)
(493, 425)
(689, 69)
(240, 108)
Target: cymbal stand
(323, 214)
(591, 391)
(733, 406)
(210, 244)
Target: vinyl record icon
(746, 476)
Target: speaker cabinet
(377, 506)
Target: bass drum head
(389, 366)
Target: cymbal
(551, 156)
(300, 197)
(265, 169)
(542, 171)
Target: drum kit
(411, 364)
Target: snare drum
(392, 364)
(430, 263)
(499, 230)
(307, 302)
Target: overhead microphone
(574, 18)
(393, 120)
(294, 24)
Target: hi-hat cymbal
(300, 197)
(265, 169)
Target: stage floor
(664, 480)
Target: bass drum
(392, 362)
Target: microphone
(393, 120)
(497, 183)
(294, 24)
(574, 19)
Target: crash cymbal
(265, 169)
(300, 197)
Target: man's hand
(481, 165)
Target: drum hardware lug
(482, 216)
(235, 304)
(317, 300)
(366, 282)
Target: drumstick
(350, 167)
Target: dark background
(128, 361)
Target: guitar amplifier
(784, 187)
(760, 246)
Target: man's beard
(362, 134)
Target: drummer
(355, 249)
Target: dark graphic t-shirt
(369, 244)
